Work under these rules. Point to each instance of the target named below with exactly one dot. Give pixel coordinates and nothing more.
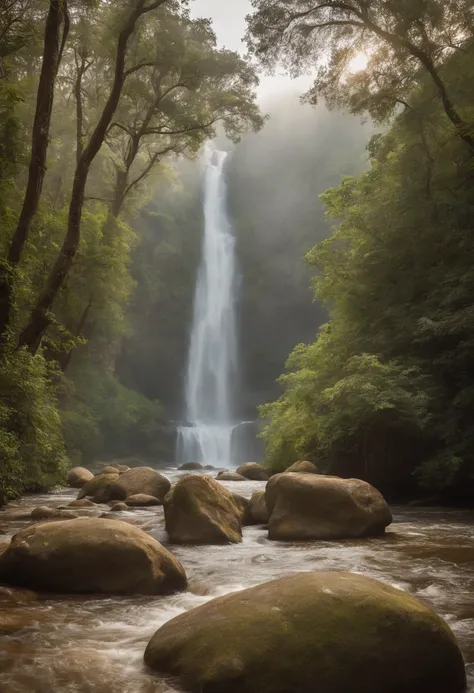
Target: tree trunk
(39, 320)
(52, 52)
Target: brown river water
(96, 645)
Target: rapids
(91, 645)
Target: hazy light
(358, 63)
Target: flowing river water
(96, 645)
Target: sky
(228, 18)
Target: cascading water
(212, 365)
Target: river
(96, 645)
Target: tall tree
(402, 40)
(40, 319)
(55, 35)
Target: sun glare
(358, 63)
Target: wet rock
(303, 467)
(199, 510)
(78, 476)
(330, 632)
(141, 480)
(244, 506)
(253, 471)
(88, 556)
(117, 507)
(82, 503)
(142, 500)
(109, 469)
(44, 512)
(190, 466)
(312, 506)
(230, 476)
(209, 466)
(100, 488)
(258, 508)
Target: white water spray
(212, 357)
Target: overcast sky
(228, 18)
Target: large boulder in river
(311, 506)
(78, 476)
(90, 555)
(230, 476)
(142, 500)
(253, 471)
(190, 466)
(100, 488)
(258, 508)
(324, 632)
(199, 510)
(144, 480)
(303, 466)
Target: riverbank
(95, 645)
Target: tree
(39, 321)
(403, 41)
(54, 41)
(385, 390)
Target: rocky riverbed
(96, 645)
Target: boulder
(230, 476)
(199, 510)
(100, 488)
(109, 469)
(44, 512)
(253, 471)
(209, 466)
(312, 506)
(142, 480)
(4, 544)
(258, 508)
(190, 466)
(88, 556)
(303, 467)
(142, 500)
(117, 507)
(244, 506)
(324, 632)
(82, 503)
(78, 476)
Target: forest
(385, 392)
(363, 191)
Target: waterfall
(212, 364)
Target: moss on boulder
(312, 506)
(199, 510)
(324, 632)
(90, 555)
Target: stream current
(96, 645)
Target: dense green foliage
(385, 392)
(66, 277)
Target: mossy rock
(324, 632)
(253, 471)
(312, 506)
(90, 556)
(258, 508)
(199, 510)
(303, 467)
(190, 466)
